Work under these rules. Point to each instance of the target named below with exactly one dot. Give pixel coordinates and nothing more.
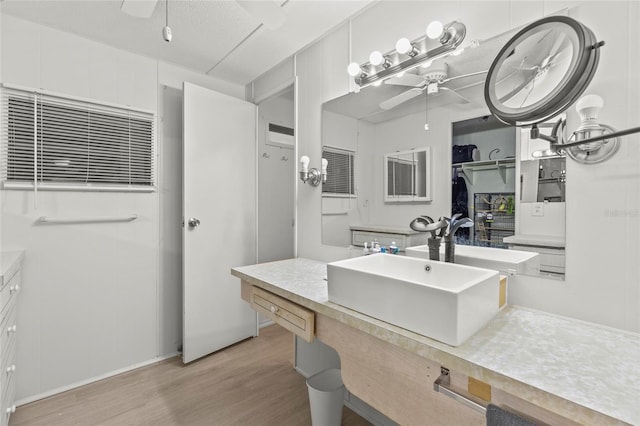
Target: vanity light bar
(396, 62)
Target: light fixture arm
(555, 145)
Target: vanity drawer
(8, 292)
(294, 318)
(7, 330)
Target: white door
(219, 219)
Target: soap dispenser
(365, 250)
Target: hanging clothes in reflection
(460, 201)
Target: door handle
(193, 222)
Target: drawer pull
(273, 309)
(12, 329)
(11, 369)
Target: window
(56, 142)
(340, 172)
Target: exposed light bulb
(588, 107)
(376, 58)
(426, 126)
(354, 69)
(434, 30)
(404, 46)
(304, 163)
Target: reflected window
(340, 172)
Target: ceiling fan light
(434, 30)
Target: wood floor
(250, 383)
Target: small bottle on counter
(376, 248)
(365, 250)
(393, 248)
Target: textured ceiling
(219, 38)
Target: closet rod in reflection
(96, 219)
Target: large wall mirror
(380, 130)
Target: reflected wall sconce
(313, 176)
(409, 54)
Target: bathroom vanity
(544, 367)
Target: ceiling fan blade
(268, 12)
(406, 80)
(402, 97)
(138, 8)
(471, 74)
(454, 96)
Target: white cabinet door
(219, 194)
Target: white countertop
(9, 263)
(535, 240)
(534, 355)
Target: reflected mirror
(407, 176)
(379, 126)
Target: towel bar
(103, 219)
(442, 384)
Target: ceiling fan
(432, 81)
(269, 13)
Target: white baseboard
(75, 385)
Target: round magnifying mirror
(541, 71)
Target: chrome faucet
(445, 228)
(453, 225)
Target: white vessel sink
(503, 260)
(443, 301)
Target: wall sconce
(591, 142)
(313, 176)
(408, 54)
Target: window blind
(54, 142)
(340, 172)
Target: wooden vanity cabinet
(400, 384)
(295, 318)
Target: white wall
(276, 178)
(603, 276)
(105, 297)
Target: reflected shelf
(470, 168)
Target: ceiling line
(234, 49)
(239, 44)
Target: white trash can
(326, 396)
